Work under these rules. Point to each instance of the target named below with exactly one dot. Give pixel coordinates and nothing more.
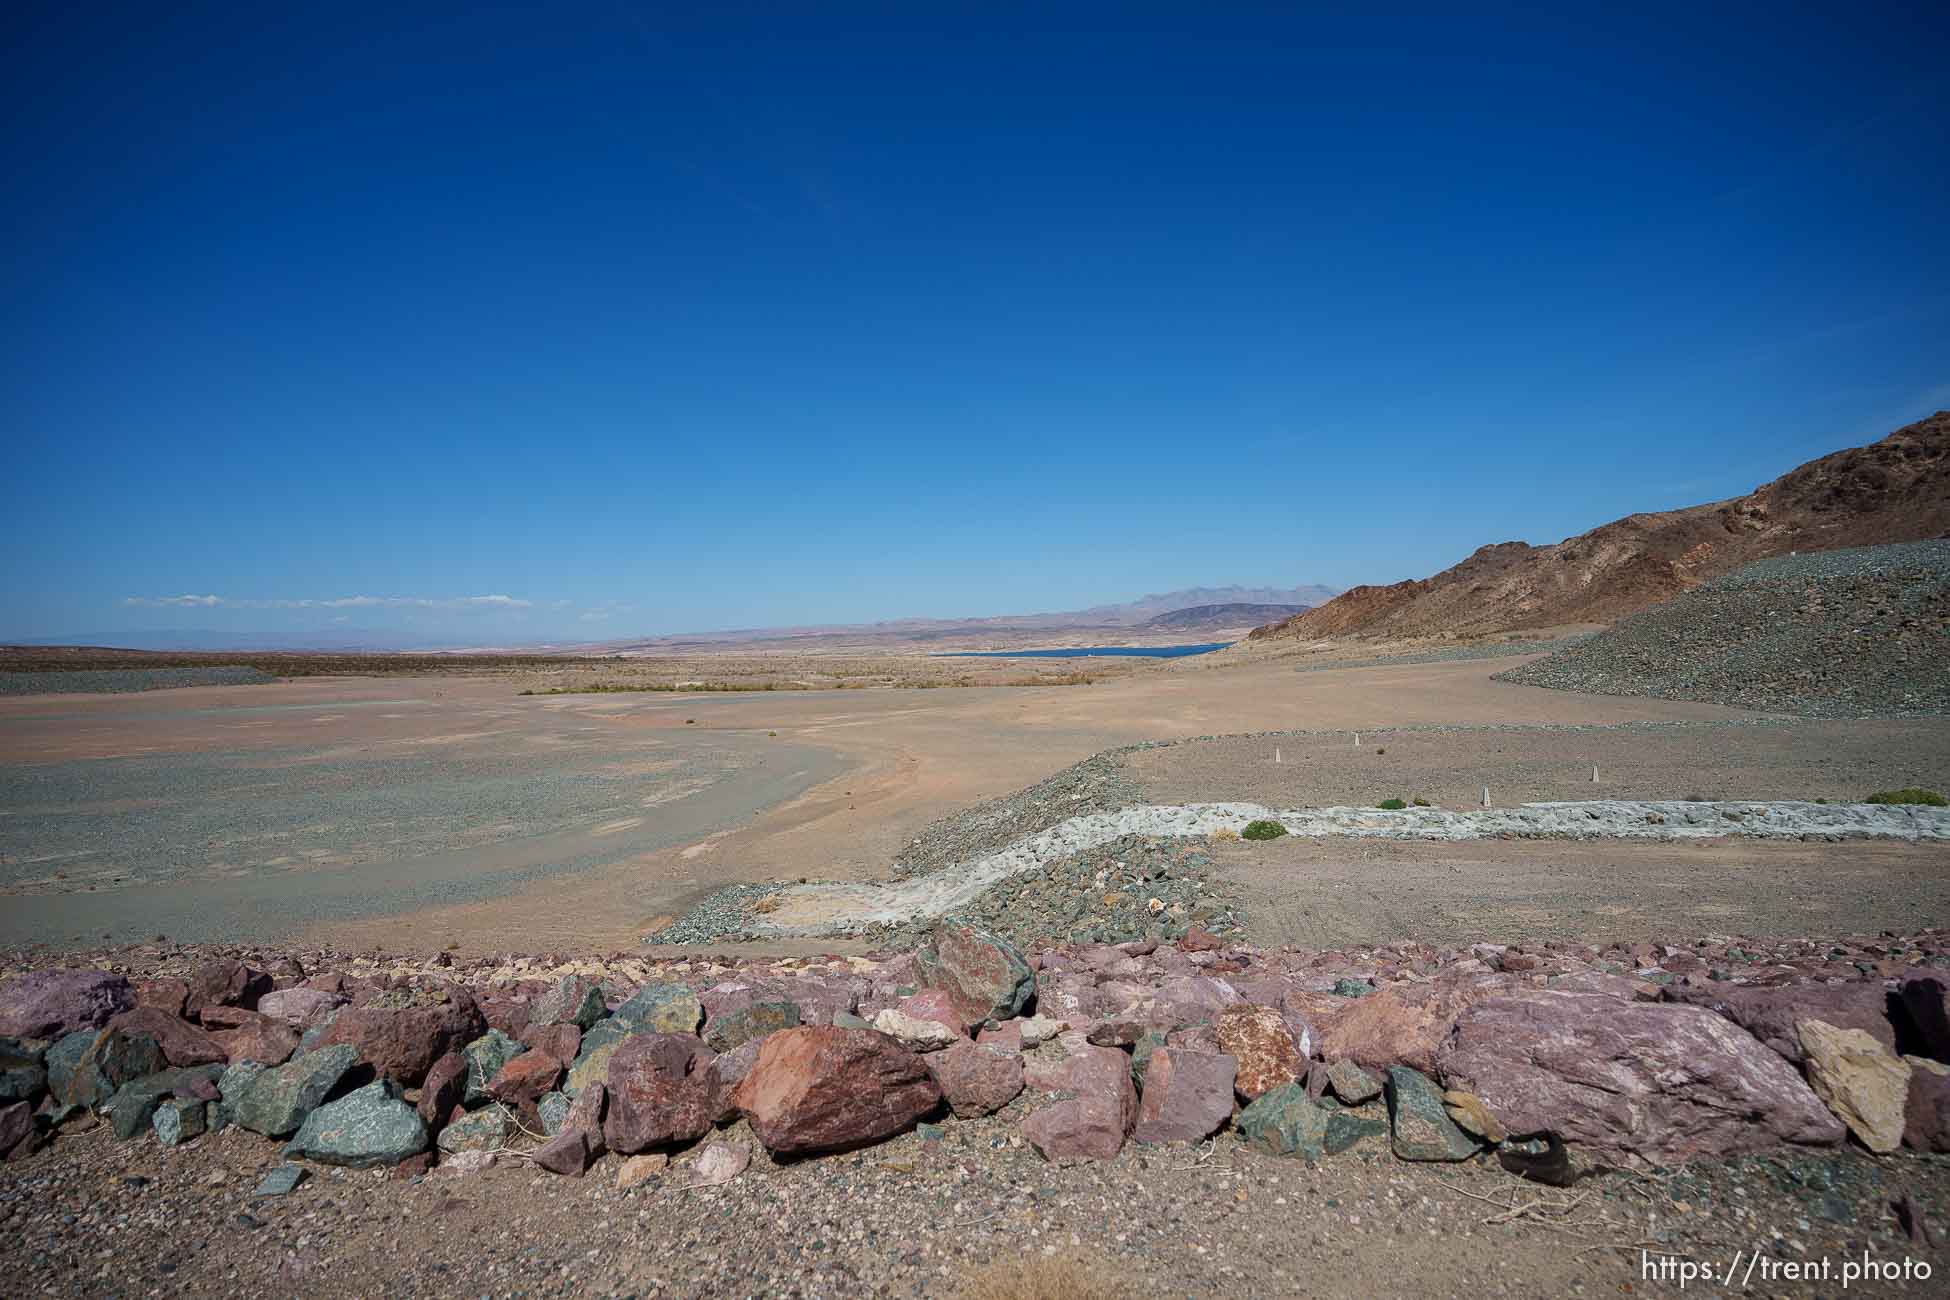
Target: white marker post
(1357, 738)
(1486, 796)
(1276, 753)
(1594, 774)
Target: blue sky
(646, 319)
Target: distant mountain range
(1895, 490)
(1233, 614)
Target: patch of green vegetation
(1910, 795)
(1392, 805)
(1262, 829)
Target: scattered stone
(16, 1127)
(581, 1142)
(115, 1057)
(63, 1058)
(465, 1163)
(51, 1003)
(366, 1128)
(1259, 1040)
(299, 1007)
(1282, 1121)
(1346, 1129)
(1187, 1096)
(1926, 1113)
(226, 984)
(182, 1043)
(134, 1104)
(818, 1088)
(554, 1111)
(638, 1170)
(22, 1075)
(523, 1080)
(281, 1181)
(256, 1037)
(445, 1087)
(660, 1092)
(561, 1041)
(231, 1085)
(573, 1001)
(1862, 1081)
(486, 1057)
(720, 1162)
(1422, 1127)
(1473, 1117)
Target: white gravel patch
(808, 910)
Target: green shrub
(1420, 802)
(1928, 798)
(1392, 805)
(1262, 830)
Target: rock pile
(1652, 1054)
(1832, 634)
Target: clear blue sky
(662, 319)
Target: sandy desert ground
(419, 812)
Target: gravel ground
(1836, 634)
(1497, 650)
(1099, 783)
(117, 681)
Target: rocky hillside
(1895, 490)
(1852, 633)
(1232, 614)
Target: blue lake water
(1084, 652)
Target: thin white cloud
(339, 602)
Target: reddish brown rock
(1771, 1014)
(445, 1085)
(182, 1043)
(820, 1088)
(1400, 1025)
(522, 1081)
(976, 1080)
(1259, 1040)
(226, 984)
(661, 1092)
(1198, 939)
(935, 1005)
(560, 1040)
(1926, 1112)
(1661, 1081)
(510, 1015)
(256, 1037)
(52, 1003)
(1006, 1036)
(16, 1127)
(580, 1143)
(414, 1166)
(169, 996)
(402, 1032)
(1187, 1096)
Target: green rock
(22, 1075)
(317, 1034)
(277, 1102)
(847, 1020)
(113, 1059)
(1352, 988)
(661, 1009)
(592, 1061)
(231, 1085)
(1283, 1122)
(1345, 1129)
(554, 1109)
(281, 1181)
(1423, 1129)
(1351, 1083)
(483, 1130)
(756, 1021)
(134, 1104)
(573, 1001)
(486, 1056)
(179, 1119)
(215, 1118)
(64, 1058)
(367, 1128)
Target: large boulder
(23, 1072)
(134, 1103)
(1187, 1096)
(986, 978)
(299, 1007)
(50, 1003)
(1661, 1081)
(1861, 1080)
(276, 1102)
(821, 1088)
(661, 1092)
(115, 1057)
(182, 1043)
(1284, 1121)
(581, 1141)
(1771, 1013)
(402, 1032)
(757, 1020)
(1097, 1106)
(1421, 1126)
(1926, 1112)
(571, 1000)
(977, 1080)
(522, 1081)
(486, 1056)
(251, 1035)
(443, 1089)
(1259, 1039)
(366, 1128)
